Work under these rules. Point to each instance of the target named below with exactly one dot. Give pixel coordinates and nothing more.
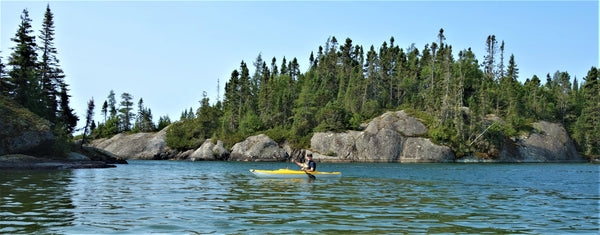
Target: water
(223, 197)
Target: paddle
(310, 176)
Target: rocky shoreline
(391, 137)
(99, 159)
(26, 162)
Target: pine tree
(66, 116)
(112, 102)
(590, 115)
(4, 85)
(26, 90)
(49, 71)
(89, 119)
(105, 110)
(163, 122)
(125, 114)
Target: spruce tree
(590, 115)
(26, 90)
(112, 104)
(125, 114)
(89, 119)
(4, 83)
(105, 110)
(66, 116)
(51, 76)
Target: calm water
(223, 197)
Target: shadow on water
(35, 201)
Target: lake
(224, 197)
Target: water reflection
(35, 201)
(185, 197)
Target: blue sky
(168, 52)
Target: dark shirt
(312, 164)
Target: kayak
(286, 173)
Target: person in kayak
(309, 165)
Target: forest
(470, 105)
(34, 79)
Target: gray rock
(417, 150)
(385, 139)
(257, 148)
(398, 121)
(134, 146)
(73, 156)
(23, 132)
(548, 142)
(20, 161)
(209, 151)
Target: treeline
(469, 105)
(121, 117)
(33, 78)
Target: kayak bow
(286, 173)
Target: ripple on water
(184, 197)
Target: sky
(169, 52)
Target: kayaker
(309, 165)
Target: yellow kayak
(286, 173)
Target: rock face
(257, 148)
(548, 142)
(209, 151)
(392, 137)
(135, 146)
(420, 150)
(22, 132)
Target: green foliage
(278, 134)
(343, 87)
(63, 141)
(184, 135)
(163, 122)
(107, 129)
(355, 121)
(332, 118)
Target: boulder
(548, 142)
(210, 151)
(23, 132)
(257, 148)
(135, 146)
(398, 121)
(73, 156)
(391, 137)
(418, 150)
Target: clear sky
(169, 52)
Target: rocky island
(391, 137)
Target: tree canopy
(459, 96)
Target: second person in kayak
(309, 165)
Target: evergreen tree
(105, 110)
(163, 122)
(49, 71)
(66, 117)
(125, 114)
(588, 126)
(112, 104)
(26, 90)
(89, 119)
(4, 82)
(143, 121)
